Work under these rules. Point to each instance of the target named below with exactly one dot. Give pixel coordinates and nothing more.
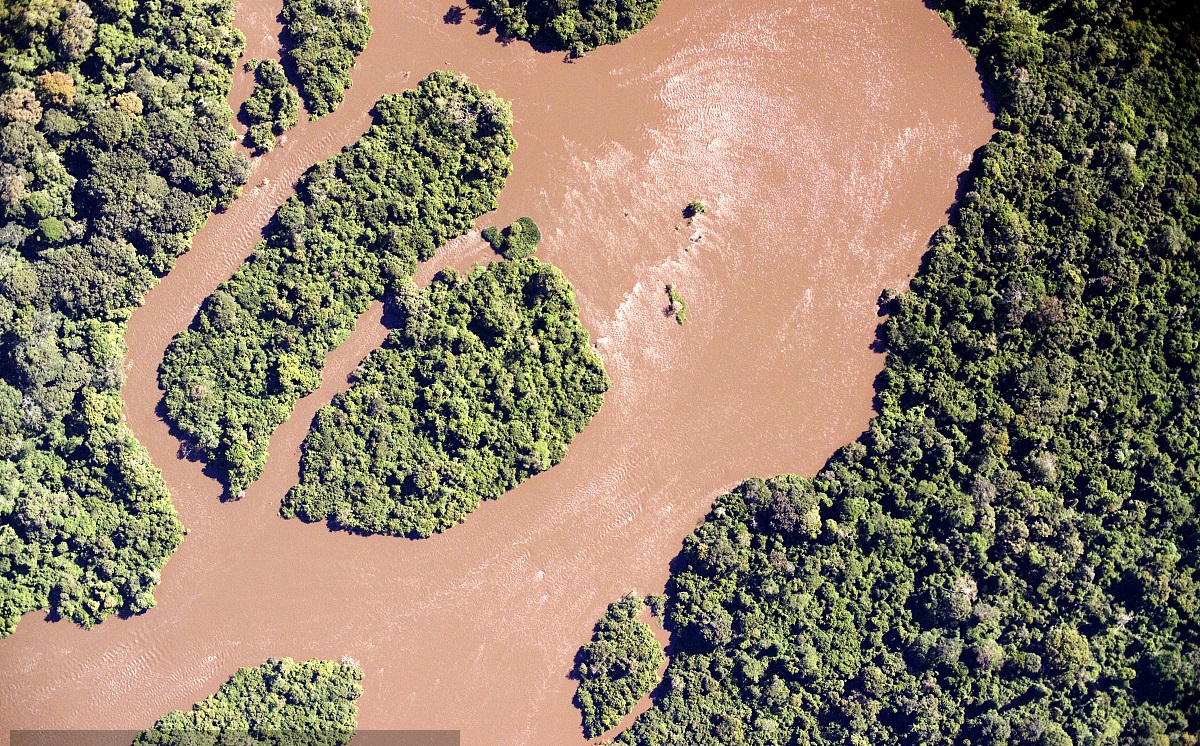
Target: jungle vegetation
(272, 108)
(114, 147)
(484, 383)
(517, 241)
(434, 160)
(617, 668)
(280, 703)
(1009, 554)
(323, 39)
(577, 26)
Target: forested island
(280, 703)
(272, 108)
(114, 147)
(484, 383)
(434, 160)
(323, 39)
(577, 26)
(617, 668)
(1009, 555)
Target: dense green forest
(323, 38)
(517, 241)
(1008, 556)
(272, 108)
(280, 703)
(577, 26)
(433, 161)
(617, 668)
(483, 384)
(114, 147)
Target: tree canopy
(434, 160)
(323, 38)
(577, 26)
(272, 108)
(1009, 555)
(114, 147)
(484, 383)
(280, 703)
(617, 668)
(517, 241)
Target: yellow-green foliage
(114, 147)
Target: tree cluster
(323, 39)
(617, 668)
(280, 703)
(272, 108)
(517, 241)
(435, 159)
(485, 382)
(114, 147)
(1009, 555)
(577, 26)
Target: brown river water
(826, 136)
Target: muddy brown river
(826, 136)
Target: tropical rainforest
(483, 384)
(323, 39)
(1009, 554)
(114, 147)
(577, 26)
(272, 108)
(434, 160)
(617, 668)
(280, 703)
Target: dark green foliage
(484, 383)
(434, 160)
(1009, 555)
(577, 26)
(695, 208)
(676, 305)
(617, 668)
(324, 37)
(280, 703)
(271, 110)
(114, 147)
(517, 241)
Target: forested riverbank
(1009, 554)
(114, 148)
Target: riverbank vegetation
(272, 108)
(1009, 555)
(279, 703)
(114, 147)
(517, 241)
(323, 38)
(617, 668)
(434, 160)
(577, 26)
(484, 383)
